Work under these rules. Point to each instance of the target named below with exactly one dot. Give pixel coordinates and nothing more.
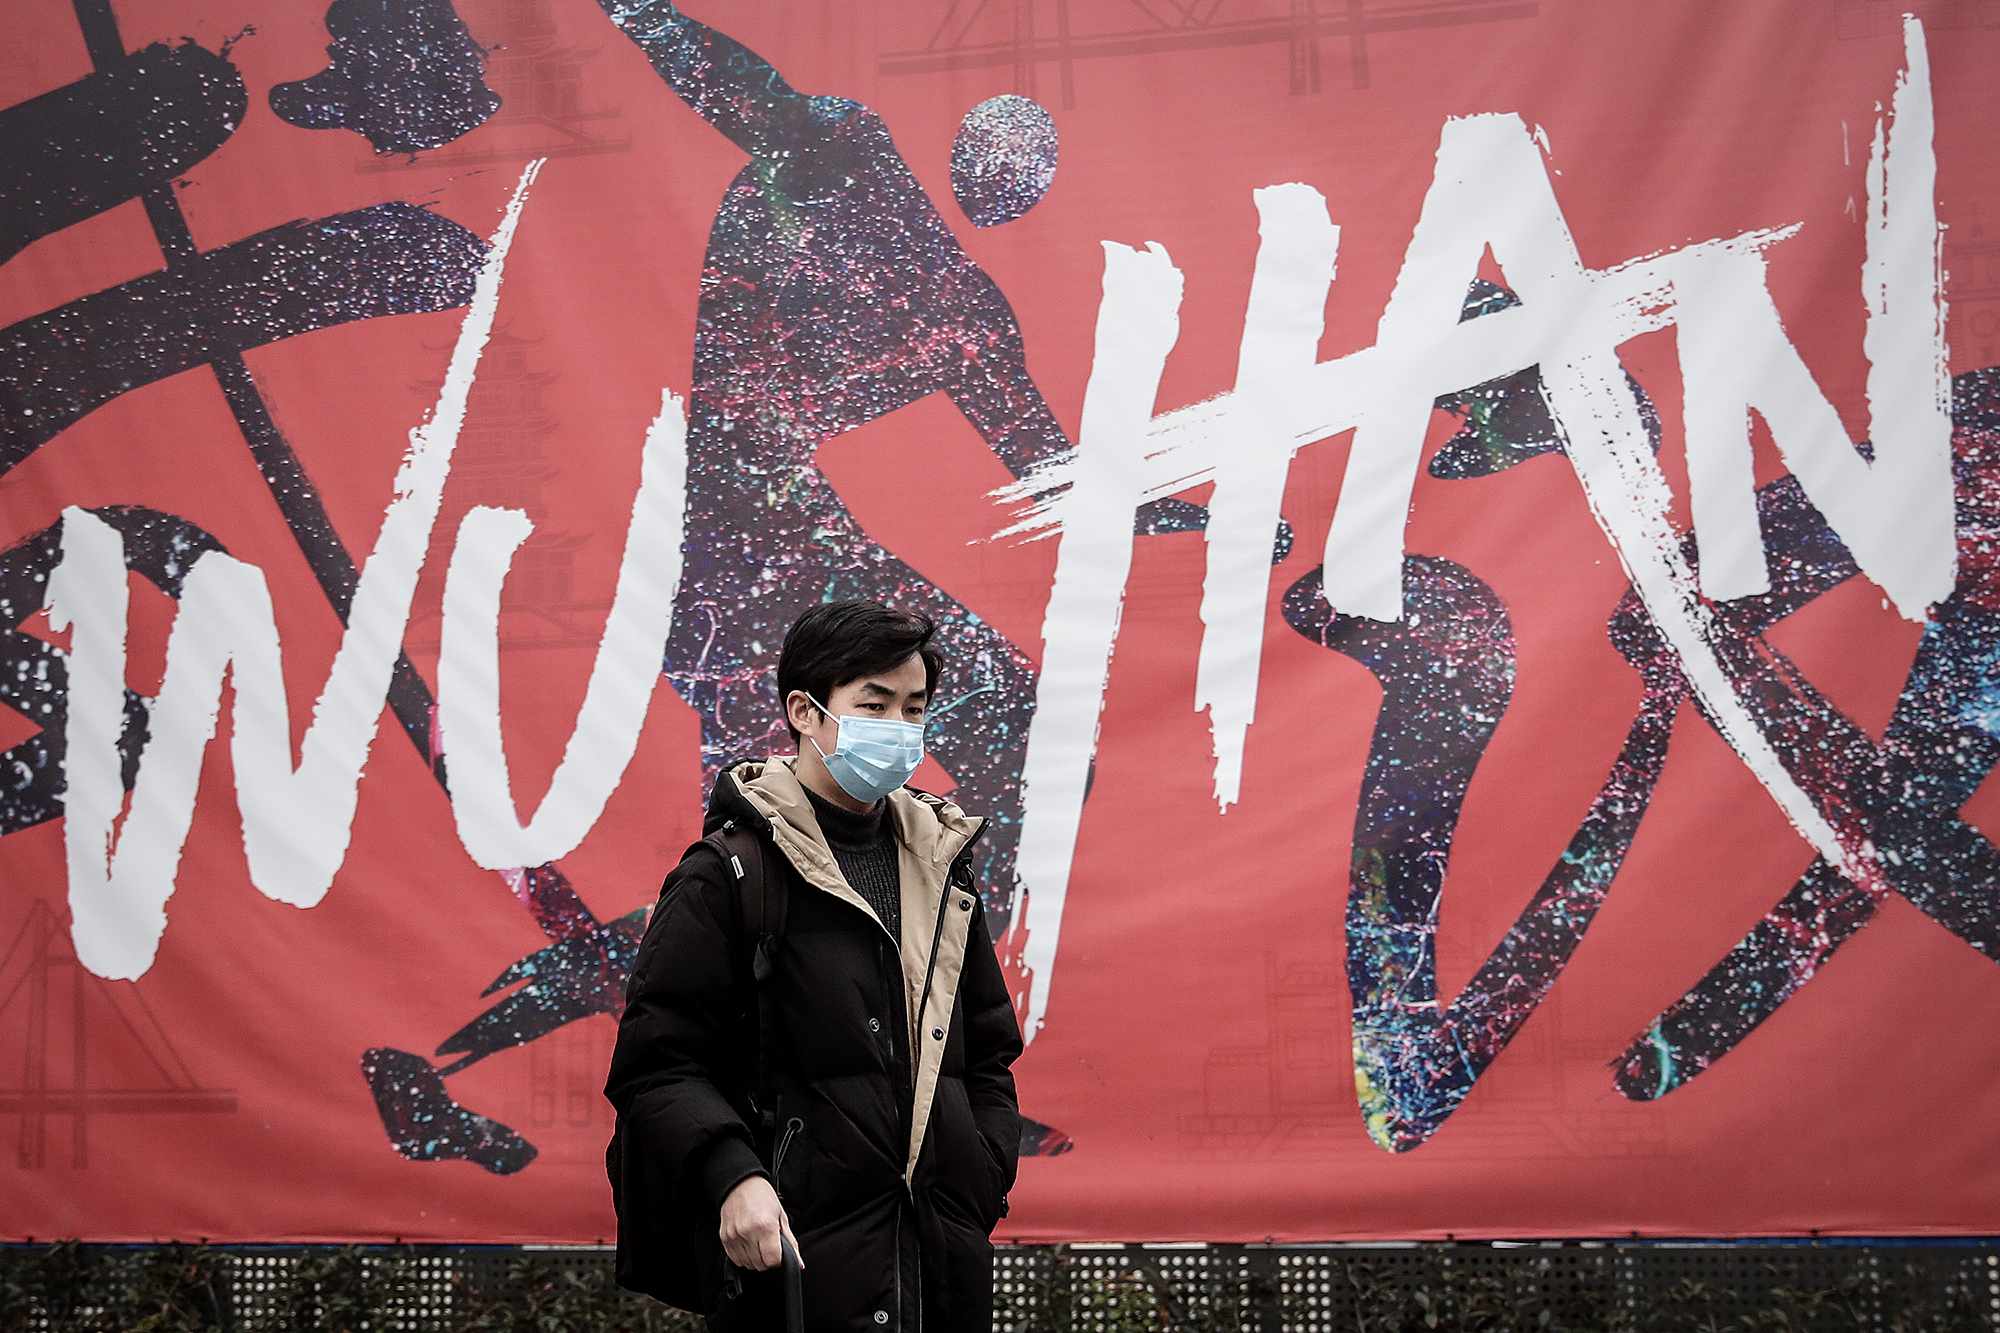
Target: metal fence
(1527, 1288)
(1340, 1289)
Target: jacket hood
(765, 794)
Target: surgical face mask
(872, 756)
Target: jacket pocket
(996, 1189)
(968, 1181)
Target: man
(836, 1073)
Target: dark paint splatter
(1003, 159)
(581, 974)
(391, 259)
(406, 74)
(1158, 518)
(833, 295)
(1416, 1060)
(87, 148)
(1507, 421)
(425, 1125)
(554, 904)
(1941, 742)
(34, 674)
(1447, 672)
(121, 132)
(1040, 1140)
(91, 145)
(1485, 298)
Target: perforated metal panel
(1542, 1288)
(272, 1288)
(255, 1282)
(1338, 1289)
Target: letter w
(296, 822)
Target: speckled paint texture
(1003, 160)
(832, 295)
(1447, 672)
(405, 74)
(1941, 742)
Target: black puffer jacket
(893, 1171)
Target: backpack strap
(761, 903)
(742, 852)
(660, 1250)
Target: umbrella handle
(795, 1300)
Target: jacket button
(937, 1034)
(874, 1025)
(965, 904)
(881, 1316)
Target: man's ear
(800, 710)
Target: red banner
(1462, 533)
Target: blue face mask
(872, 756)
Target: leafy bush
(72, 1288)
(538, 1297)
(67, 1287)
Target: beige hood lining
(930, 833)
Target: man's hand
(752, 1221)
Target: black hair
(837, 643)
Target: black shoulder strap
(762, 903)
(659, 1251)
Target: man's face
(898, 694)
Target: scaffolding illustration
(965, 38)
(54, 1007)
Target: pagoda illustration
(500, 462)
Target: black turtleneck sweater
(864, 847)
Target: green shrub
(67, 1287)
(539, 1297)
(75, 1288)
